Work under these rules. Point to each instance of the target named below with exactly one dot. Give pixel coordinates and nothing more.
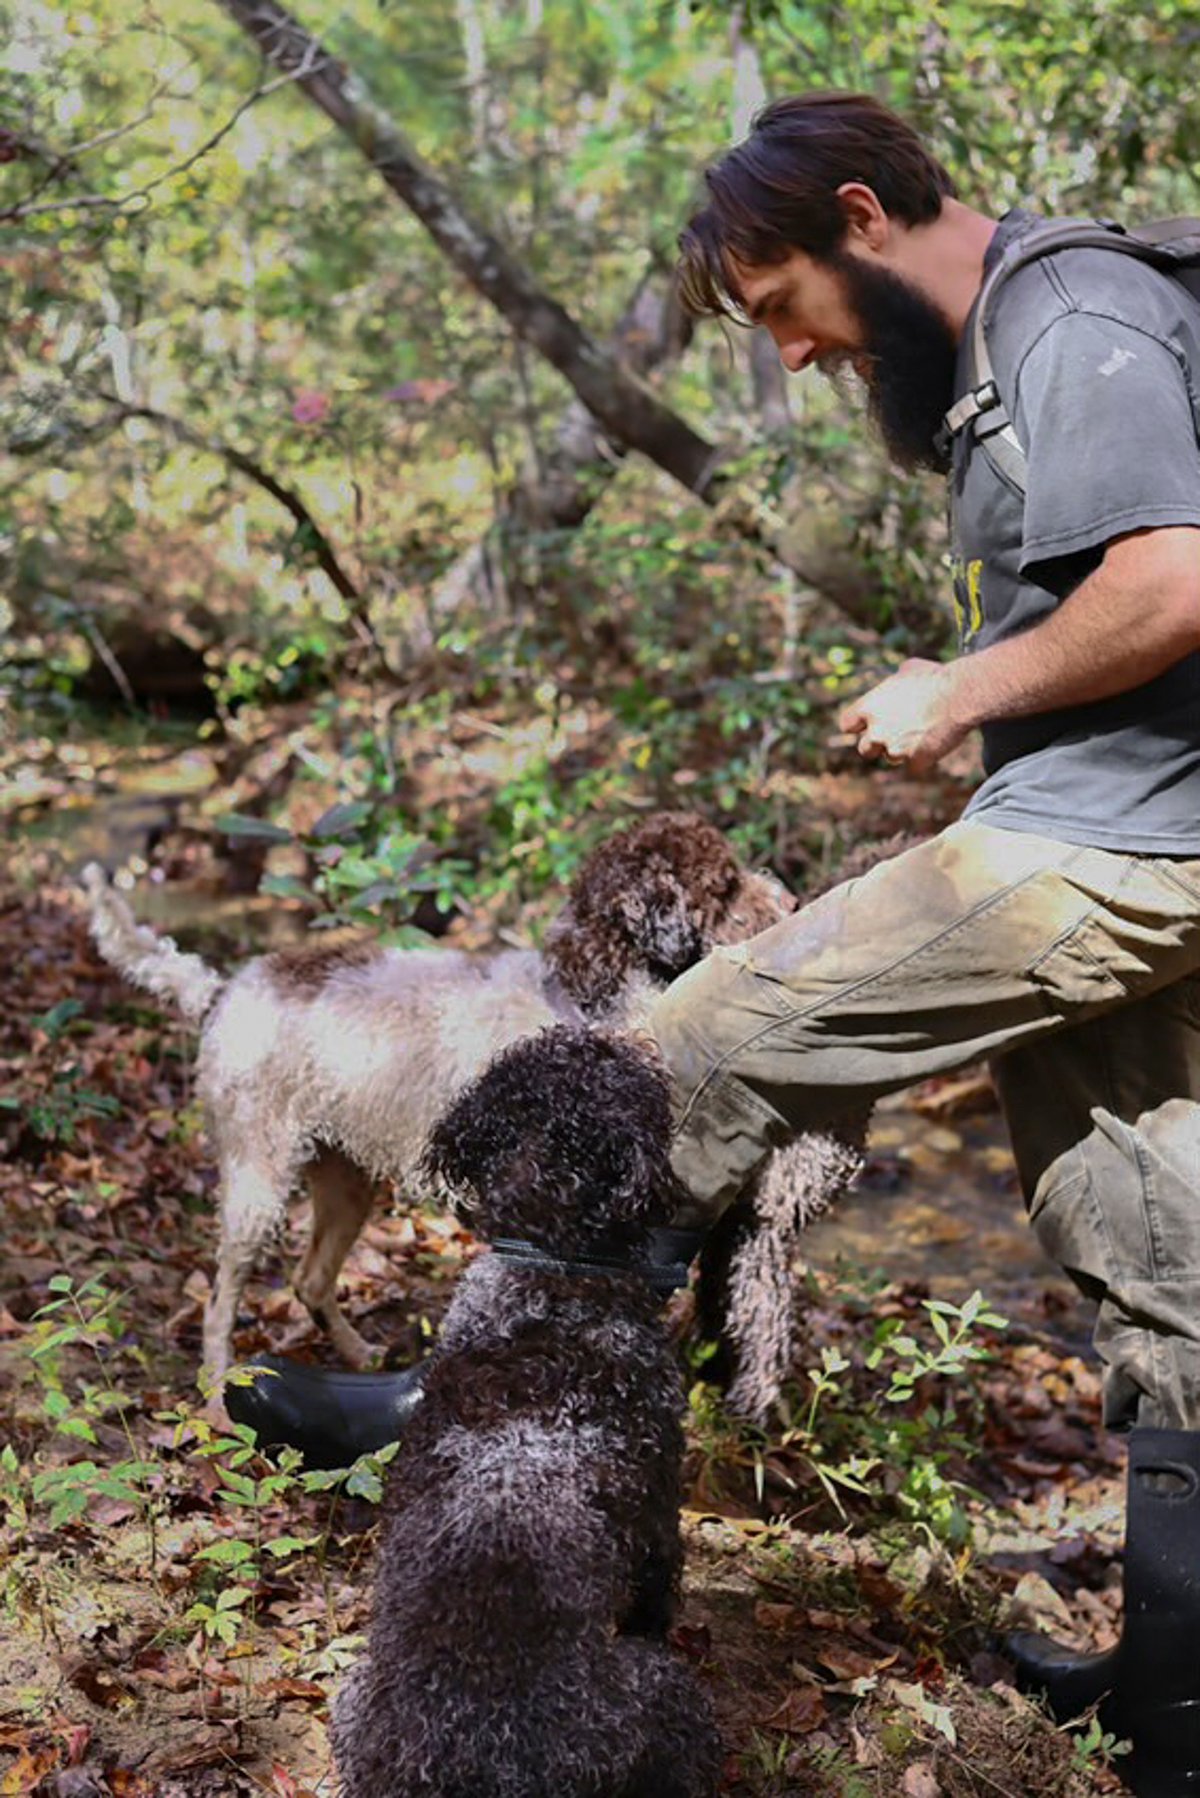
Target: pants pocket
(1070, 1226)
(1080, 971)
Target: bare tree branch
(66, 162)
(322, 550)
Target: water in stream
(940, 1204)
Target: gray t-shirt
(1097, 357)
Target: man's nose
(797, 353)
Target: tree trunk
(623, 410)
(653, 332)
(749, 95)
(607, 388)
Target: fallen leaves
(919, 1781)
(822, 1672)
(802, 1711)
(41, 1750)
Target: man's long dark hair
(777, 191)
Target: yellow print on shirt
(968, 604)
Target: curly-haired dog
(530, 1549)
(331, 1063)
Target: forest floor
(177, 1610)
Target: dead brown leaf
(293, 1688)
(125, 1783)
(208, 1749)
(98, 1683)
(919, 1781)
(802, 1711)
(845, 1662)
(27, 1771)
(958, 1096)
(776, 1616)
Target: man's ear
(867, 224)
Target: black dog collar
(667, 1276)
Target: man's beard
(907, 363)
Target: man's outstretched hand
(913, 718)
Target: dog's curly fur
(530, 1551)
(331, 1063)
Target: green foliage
(533, 825)
(1094, 1747)
(909, 1452)
(224, 1618)
(52, 1098)
(84, 1325)
(188, 235)
(86, 1319)
(954, 1351)
(834, 1764)
(834, 1438)
(766, 1759)
(290, 663)
(367, 868)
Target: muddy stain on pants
(1075, 971)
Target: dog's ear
(593, 948)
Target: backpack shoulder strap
(1170, 245)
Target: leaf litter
(846, 1654)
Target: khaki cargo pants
(1076, 971)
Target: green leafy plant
(833, 1764)
(368, 869)
(1094, 1746)
(86, 1319)
(767, 1757)
(55, 1101)
(835, 1436)
(290, 662)
(252, 1492)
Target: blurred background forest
(323, 479)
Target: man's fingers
(872, 749)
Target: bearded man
(1054, 929)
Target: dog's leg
(670, 1740)
(253, 1197)
(656, 1586)
(341, 1203)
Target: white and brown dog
(329, 1064)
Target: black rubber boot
(330, 1414)
(333, 1415)
(1148, 1686)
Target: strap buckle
(984, 398)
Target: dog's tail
(150, 961)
